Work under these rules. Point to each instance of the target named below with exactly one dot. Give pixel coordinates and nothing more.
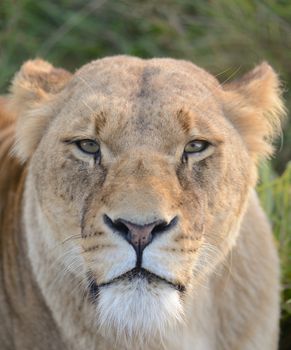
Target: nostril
(120, 227)
(116, 225)
(160, 228)
(108, 221)
(164, 226)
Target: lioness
(129, 218)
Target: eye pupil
(88, 146)
(197, 145)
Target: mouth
(134, 274)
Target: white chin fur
(138, 312)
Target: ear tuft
(35, 81)
(254, 104)
(33, 87)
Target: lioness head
(139, 173)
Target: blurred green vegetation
(226, 37)
(275, 195)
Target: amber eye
(196, 146)
(88, 146)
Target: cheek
(218, 188)
(62, 185)
(68, 178)
(73, 180)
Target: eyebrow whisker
(86, 83)
(217, 87)
(86, 105)
(231, 76)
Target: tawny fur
(54, 244)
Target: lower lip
(142, 274)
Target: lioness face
(136, 176)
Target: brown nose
(139, 236)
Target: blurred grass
(275, 195)
(227, 37)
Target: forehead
(122, 96)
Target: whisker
(222, 72)
(68, 263)
(216, 88)
(224, 257)
(90, 108)
(86, 83)
(76, 236)
(231, 76)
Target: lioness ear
(32, 89)
(254, 105)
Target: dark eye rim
(207, 144)
(78, 144)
